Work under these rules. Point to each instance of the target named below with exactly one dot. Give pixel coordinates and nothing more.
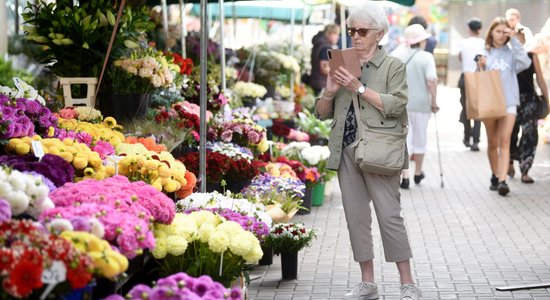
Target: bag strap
(360, 125)
(111, 42)
(410, 57)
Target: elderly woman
(382, 92)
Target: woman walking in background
(527, 118)
(509, 60)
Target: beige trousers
(358, 189)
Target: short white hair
(369, 12)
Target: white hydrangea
(313, 155)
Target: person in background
(422, 82)
(513, 17)
(322, 42)
(527, 118)
(509, 60)
(431, 42)
(382, 93)
(469, 48)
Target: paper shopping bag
(484, 95)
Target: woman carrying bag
(505, 53)
(377, 100)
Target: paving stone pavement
(466, 240)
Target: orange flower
(148, 142)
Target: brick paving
(466, 240)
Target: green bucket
(318, 194)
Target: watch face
(361, 89)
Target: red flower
(280, 130)
(25, 276)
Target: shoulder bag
(377, 151)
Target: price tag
(37, 149)
(115, 159)
(18, 83)
(57, 273)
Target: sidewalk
(466, 240)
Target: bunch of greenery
(74, 39)
(307, 122)
(7, 72)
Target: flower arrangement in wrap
(181, 286)
(27, 250)
(203, 243)
(289, 237)
(82, 113)
(144, 70)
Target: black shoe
(474, 147)
(418, 178)
(466, 142)
(405, 183)
(503, 188)
(494, 183)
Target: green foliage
(7, 72)
(74, 39)
(307, 122)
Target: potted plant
(288, 239)
(133, 78)
(73, 38)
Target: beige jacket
(385, 75)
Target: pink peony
(68, 113)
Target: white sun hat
(415, 34)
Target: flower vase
(289, 265)
(125, 108)
(248, 101)
(306, 204)
(84, 293)
(318, 194)
(267, 258)
(236, 186)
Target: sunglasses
(361, 31)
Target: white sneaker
(409, 292)
(363, 291)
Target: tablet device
(346, 58)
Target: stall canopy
(270, 10)
(307, 2)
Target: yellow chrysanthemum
(218, 241)
(89, 172)
(160, 250)
(176, 245)
(110, 122)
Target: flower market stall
(172, 183)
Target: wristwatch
(361, 90)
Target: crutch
(438, 151)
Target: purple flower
(114, 297)
(80, 224)
(235, 294)
(139, 291)
(5, 210)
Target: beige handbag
(376, 151)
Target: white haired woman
(382, 92)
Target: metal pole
(3, 29)
(291, 50)
(222, 47)
(183, 14)
(165, 19)
(203, 57)
(16, 17)
(343, 26)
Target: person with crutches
(422, 82)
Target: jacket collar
(379, 57)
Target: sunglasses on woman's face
(361, 31)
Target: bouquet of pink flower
(181, 286)
(125, 209)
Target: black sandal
(526, 179)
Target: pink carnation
(104, 149)
(68, 113)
